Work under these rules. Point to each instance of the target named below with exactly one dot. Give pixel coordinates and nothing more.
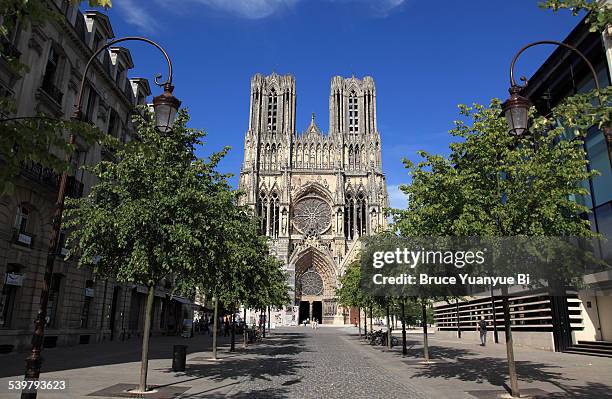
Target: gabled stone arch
(309, 257)
(313, 188)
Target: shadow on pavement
(275, 356)
(259, 394)
(468, 366)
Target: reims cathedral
(315, 193)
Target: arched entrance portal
(315, 283)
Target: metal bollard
(179, 357)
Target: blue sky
(426, 57)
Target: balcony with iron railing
(40, 174)
(22, 238)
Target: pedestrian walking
(482, 328)
(316, 324)
(226, 326)
(205, 327)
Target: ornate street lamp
(516, 107)
(516, 110)
(166, 107)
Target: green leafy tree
(493, 184)
(148, 218)
(350, 293)
(245, 272)
(40, 139)
(598, 13)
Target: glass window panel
(604, 223)
(597, 154)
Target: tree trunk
(244, 335)
(458, 320)
(514, 388)
(359, 320)
(233, 337)
(365, 322)
(404, 350)
(269, 319)
(371, 315)
(388, 329)
(144, 363)
(425, 343)
(263, 321)
(215, 326)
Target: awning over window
(183, 300)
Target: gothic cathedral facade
(315, 194)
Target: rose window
(312, 283)
(312, 216)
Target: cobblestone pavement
(291, 363)
(329, 362)
(321, 363)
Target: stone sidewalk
(461, 366)
(299, 362)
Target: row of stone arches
(268, 211)
(314, 156)
(355, 215)
(270, 156)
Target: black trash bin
(251, 337)
(179, 357)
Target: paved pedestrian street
(328, 362)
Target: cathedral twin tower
(315, 194)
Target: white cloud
(250, 9)
(380, 8)
(259, 9)
(397, 199)
(137, 15)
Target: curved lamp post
(516, 108)
(165, 107)
(516, 111)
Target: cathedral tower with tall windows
(315, 193)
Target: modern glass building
(582, 320)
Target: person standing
(482, 329)
(226, 328)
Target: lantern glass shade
(165, 106)
(516, 111)
(164, 117)
(518, 120)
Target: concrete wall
(538, 339)
(590, 319)
(605, 310)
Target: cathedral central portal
(314, 193)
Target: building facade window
(360, 210)
(12, 282)
(54, 300)
(274, 215)
(597, 154)
(349, 217)
(89, 284)
(355, 217)
(272, 110)
(353, 109)
(50, 77)
(91, 103)
(262, 212)
(21, 219)
(268, 211)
